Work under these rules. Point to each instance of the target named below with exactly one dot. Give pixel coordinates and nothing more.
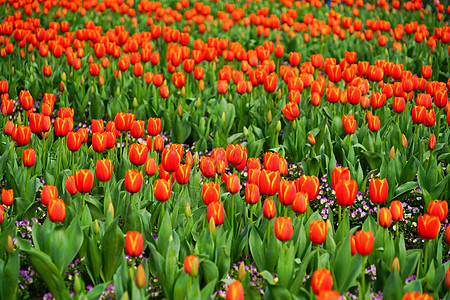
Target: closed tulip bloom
(56, 210)
(10, 128)
(133, 181)
(103, 169)
(269, 182)
(364, 242)
(48, 192)
(71, 186)
(7, 106)
(286, 193)
(339, 174)
(418, 114)
(216, 211)
(233, 184)
(137, 129)
(98, 125)
(137, 154)
(399, 104)
(321, 281)
(432, 142)
(385, 217)
(438, 208)
(441, 98)
(170, 159)
(328, 295)
(374, 123)
(349, 123)
(235, 291)
(190, 261)
(36, 122)
(269, 209)
(352, 245)
(28, 157)
(295, 58)
(84, 180)
(7, 196)
(447, 234)
(150, 166)
(222, 86)
(318, 232)
(110, 140)
(73, 141)
(300, 203)
(396, 209)
(283, 228)
(183, 173)
(99, 142)
(235, 154)
(283, 166)
(154, 126)
(22, 135)
(207, 167)
(134, 243)
(251, 193)
(2, 214)
(416, 296)
(291, 111)
(26, 100)
(346, 192)
(308, 184)
(378, 190)
(427, 71)
(210, 192)
(272, 161)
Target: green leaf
(112, 244)
(394, 286)
(256, 249)
(404, 189)
(10, 276)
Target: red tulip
(396, 210)
(432, 142)
(71, 186)
(438, 208)
(236, 154)
(216, 211)
(235, 291)
(83, 180)
(189, 261)
(210, 192)
(300, 203)
(103, 169)
(364, 242)
(378, 190)
(283, 228)
(7, 196)
(183, 173)
(286, 193)
(251, 193)
(154, 126)
(385, 217)
(233, 183)
(138, 154)
(56, 210)
(291, 111)
(309, 184)
(349, 123)
(150, 166)
(318, 232)
(133, 181)
(134, 243)
(48, 192)
(207, 167)
(339, 174)
(346, 192)
(28, 157)
(269, 182)
(170, 159)
(321, 281)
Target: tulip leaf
(95, 292)
(112, 248)
(207, 290)
(45, 267)
(164, 233)
(272, 253)
(256, 249)
(181, 286)
(298, 280)
(405, 188)
(10, 276)
(278, 292)
(393, 288)
(285, 267)
(209, 271)
(434, 283)
(94, 261)
(346, 268)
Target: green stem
(363, 277)
(425, 263)
(378, 214)
(232, 214)
(268, 232)
(84, 203)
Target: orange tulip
(286, 193)
(339, 174)
(216, 211)
(48, 192)
(183, 173)
(364, 242)
(103, 169)
(133, 181)
(189, 261)
(29, 157)
(269, 182)
(438, 208)
(385, 217)
(346, 192)
(71, 186)
(251, 193)
(137, 154)
(170, 159)
(207, 166)
(233, 183)
(318, 232)
(378, 190)
(134, 243)
(84, 180)
(56, 210)
(308, 184)
(7, 196)
(283, 228)
(235, 291)
(396, 210)
(321, 281)
(154, 126)
(210, 192)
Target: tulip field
(181, 149)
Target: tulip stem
(363, 278)
(232, 214)
(340, 215)
(343, 224)
(83, 200)
(268, 232)
(121, 146)
(317, 256)
(27, 178)
(59, 156)
(378, 214)
(73, 161)
(425, 263)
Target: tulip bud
(214, 66)
(198, 103)
(224, 117)
(9, 245)
(278, 128)
(135, 102)
(404, 141)
(279, 94)
(118, 91)
(64, 76)
(395, 264)
(31, 78)
(131, 273)
(269, 116)
(245, 131)
(194, 269)
(241, 271)
(61, 87)
(93, 89)
(101, 80)
(125, 296)
(392, 153)
(180, 110)
(311, 139)
(77, 285)
(82, 79)
(119, 76)
(212, 226)
(110, 209)
(141, 279)
(33, 58)
(187, 210)
(96, 227)
(183, 91)
(196, 158)
(294, 124)
(12, 70)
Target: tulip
(97, 126)
(103, 169)
(287, 192)
(28, 157)
(291, 111)
(154, 126)
(22, 135)
(207, 166)
(418, 114)
(26, 100)
(83, 180)
(378, 190)
(283, 228)
(364, 242)
(251, 193)
(283, 169)
(349, 123)
(7, 196)
(233, 183)
(318, 232)
(396, 209)
(99, 142)
(183, 173)
(235, 291)
(300, 203)
(447, 234)
(191, 265)
(137, 129)
(73, 141)
(432, 142)
(339, 174)
(269, 182)
(150, 166)
(137, 154)
(352, 245)
(328, 295)
(385, 217)
(210, 192)
(48, 192)
(236, 154)
(215, 211)
(56, 210)
(321, 281)
(2, 214)
(134, 243)
(269, 209)
(438, 208)
(310, 185)
(170, 159)
(71, 186)
(272, 161)
(36, 122)
(346, 192)
(133, 181)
